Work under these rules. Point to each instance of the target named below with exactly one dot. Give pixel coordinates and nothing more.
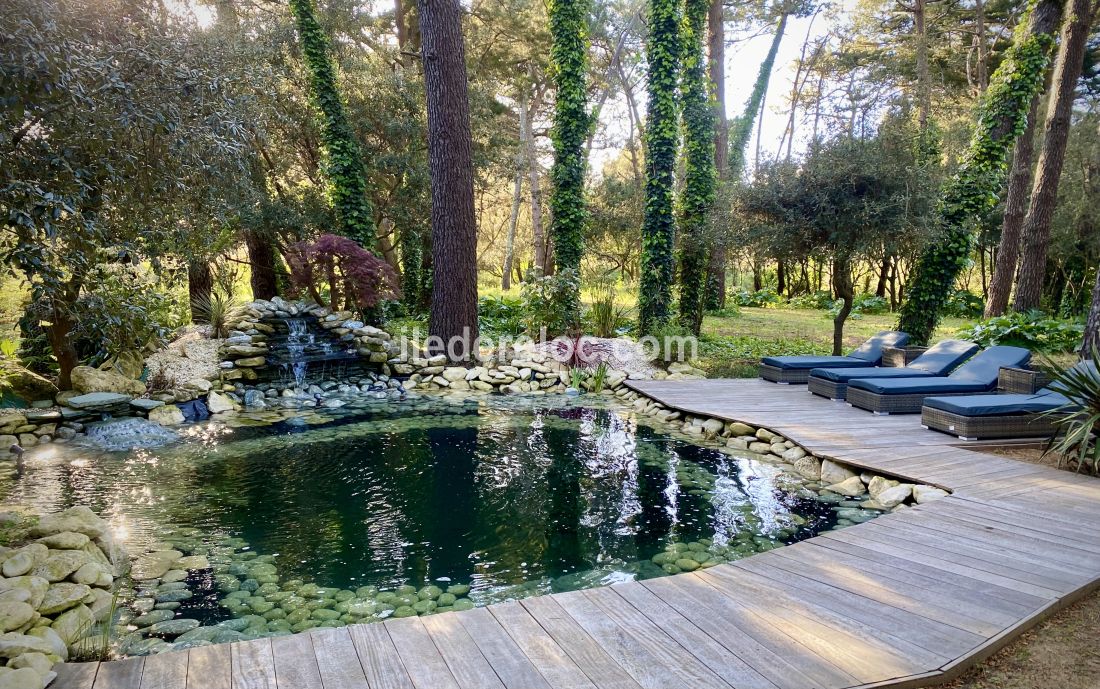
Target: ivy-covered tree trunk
(699, 169)
(347, 179)
(569, 65)
(450, 163)
(971, 193)
(659, 223)
(1016, 202)
(1044, 192)
(737, 133)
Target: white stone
(878, 484)
(831, 472)
(219, 403)
(923, 494)
(850, 486)
(807, 467)
(892, 497)
(795, 453)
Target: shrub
(760, 298)
(821, 299)
(123, 311)
(214, 309)
(964, 304)
(861, 304)
(500, 316)
(545, 301)
(1076, 440)
(338, 273)
(1033, 330)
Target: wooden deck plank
(210, 667)
(165, 671)
(467, 663)
(381, 664)
(253, 665)
(773, 653)
(550, 659)
(893, 616)
(637, 644)
(590, 656)
(295, 662)
(732, 669)
(426, 667)
(515, 670)
(74, 675)
(121, 674)
(337, 660)
(868, 656)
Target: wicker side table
(1021, 380)
(896, 357)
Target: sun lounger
(907, 395)
(939, 360)
(796, 369)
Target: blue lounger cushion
(867, 354)
(939, 360)
(977, 375)
(998, 405)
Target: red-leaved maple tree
(356, 279)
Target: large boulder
(79, 519)
(218, 403)
(87, 379)
(129, 365)
(24, 384)
(168, 415)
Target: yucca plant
(606, 315)
(214, 309)
(1078, 420)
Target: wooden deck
(909, 599)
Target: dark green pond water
(505, 495)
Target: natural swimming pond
(286, 521)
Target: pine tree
(972, 192)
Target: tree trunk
(883, 275)
(261, 260)
(1092, 324)
(1019, 184)
(971, 192)
(844, 289)
(1044, 192)
(59, 333)
(538, 237)
(757, 276)
(513, 220)
(924, 86)
(780, 277)
(741, 127)
(716, 43)
(200, 285)
(983, 53)
(450, 163)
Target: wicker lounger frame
(982, 427)
(834, 390)
(895, 404)
(784, 375)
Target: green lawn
(732, 345)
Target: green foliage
(972, 192)
(214, 309)
(963, 303)
(501, 316)
(661, 135)
(346, 175)
(1031, 329)
(124, 310)
(543, 298)
(761, 298)
(9, 348)
(599, 377)
(820, 299)
(1078, 421)
(861, 304)
(16, 533)
(569, 64)
(700, 176)
(606, 317)
(577, 376)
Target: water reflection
(496, 495)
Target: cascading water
(302, 351)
